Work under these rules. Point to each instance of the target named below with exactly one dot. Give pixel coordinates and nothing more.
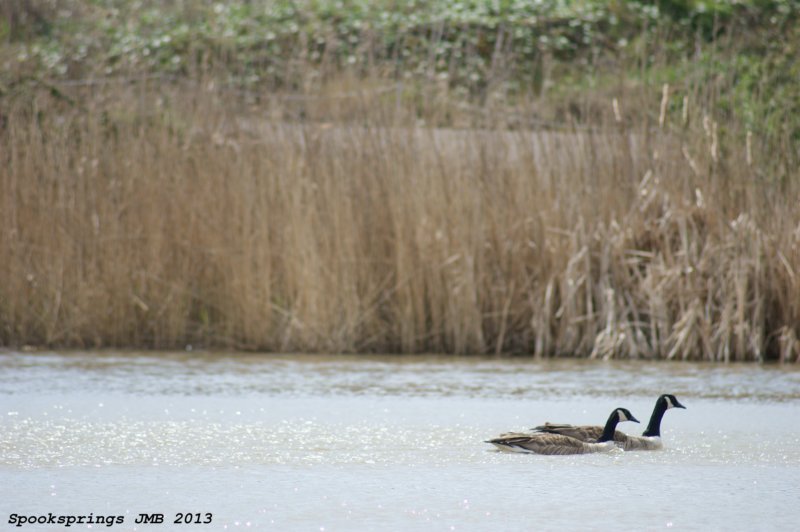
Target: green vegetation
(740, 54)
(613, 179)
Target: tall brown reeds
(161, 218)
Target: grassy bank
(638, 210)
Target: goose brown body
(554, 444)
(559, 444)
(589, 433)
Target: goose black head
(671, 401)
(618, 415)
(623, 414)
(664, 403)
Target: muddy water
(396, 443)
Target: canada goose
(650, 440)
(547, 443)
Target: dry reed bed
(134, 223)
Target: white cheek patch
(669, 402)
(622, 416)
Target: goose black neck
(654, 427)
(610, 428)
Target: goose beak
(633, 419)
(676, 404)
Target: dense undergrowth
(609, 179)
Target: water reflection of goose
(547, 443)
(650, 439)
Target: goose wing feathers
(584, 433)
(545, 443)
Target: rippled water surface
(394, 443)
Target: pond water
(363, 443)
